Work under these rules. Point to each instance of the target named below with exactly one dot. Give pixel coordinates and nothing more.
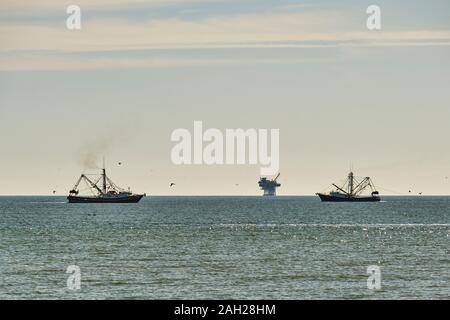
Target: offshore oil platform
(269, 186)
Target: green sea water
(225, 248)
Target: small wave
(54, 202)
(337, 225)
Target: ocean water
(225, 248)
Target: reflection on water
(225, 247)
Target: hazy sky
(339, 93)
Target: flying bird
(172, 184)
(120, 163)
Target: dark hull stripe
(130, 199)
(328, 198)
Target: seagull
(172, 184)
(420, 193)
(120, 163)
(54, 191)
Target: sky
(341, 95)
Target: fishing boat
(352, 191)
(106, 192)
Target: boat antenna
(350, 183)
(104, 176)
(350, 179)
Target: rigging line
(396, 192)
(327, 188)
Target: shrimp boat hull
(127, 199)
(332, 198)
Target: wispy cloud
(14, 7)
(305, 30)
(39, 62)
(241, 30)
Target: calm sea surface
(225, 248)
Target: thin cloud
(293, 30)
(40, 63)
(31, 7)
(237, 31)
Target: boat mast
(350, 183)
(104, 176)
